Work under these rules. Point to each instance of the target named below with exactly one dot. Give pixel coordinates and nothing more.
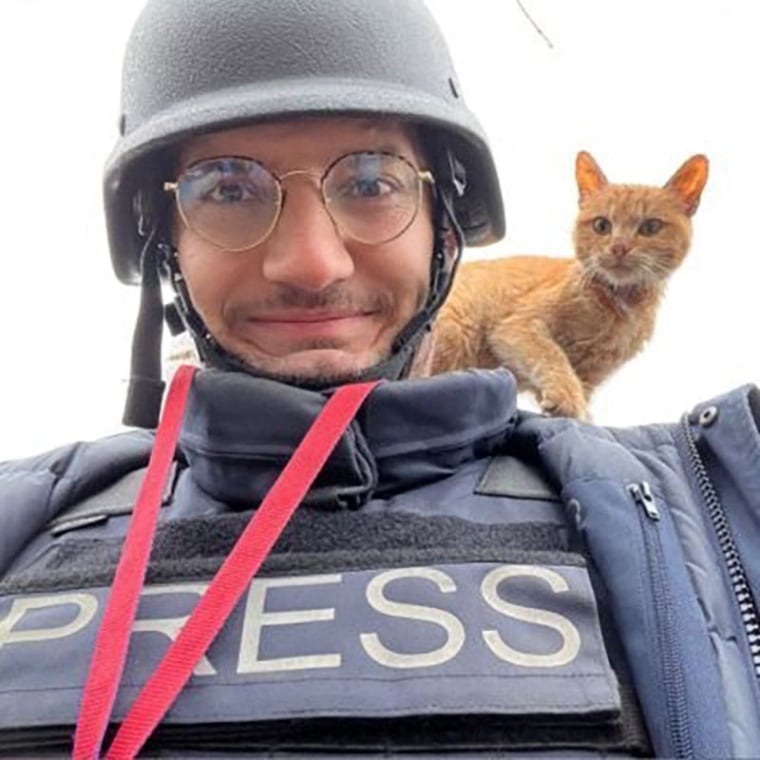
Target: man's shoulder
(34, 490)
(744, 399)
(69, 472)
(573, 449)
(81, 456)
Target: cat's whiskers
(660, 266)
(654, 269)
(645, 270)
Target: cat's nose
(620, 250)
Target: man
(458, 579)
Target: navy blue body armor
(462, 579)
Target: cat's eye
(602, 225)
(650, 227)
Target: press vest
(461, 579)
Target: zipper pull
(642, 495)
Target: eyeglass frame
(423, 177)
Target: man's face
(308, 302)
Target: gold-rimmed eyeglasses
(234, 202)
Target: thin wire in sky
(535, 25)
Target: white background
(642, 84)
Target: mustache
(335, 297)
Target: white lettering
(450, 623)
(255, 619)
(571, 638)
(170, 627)
(86, 604)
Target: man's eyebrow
(393, 148)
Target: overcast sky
(641, 84)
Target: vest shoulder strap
(516, 478)
(118, 498)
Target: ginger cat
(563, 325)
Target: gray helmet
(195, 66)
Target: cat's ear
(689, 181)
(588, 175)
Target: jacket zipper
(668, 637)
(741, 588)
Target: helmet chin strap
(145, 392)
(146, 389)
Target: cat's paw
(565, 403)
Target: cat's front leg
(539, 364)
(564, 401)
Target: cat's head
(635, 235)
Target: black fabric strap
(146, 388)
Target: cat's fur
(563, 325)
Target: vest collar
(239, 432)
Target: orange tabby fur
(563, 325)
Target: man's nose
(305, 249)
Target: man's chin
(317, 368)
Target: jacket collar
(239, 432)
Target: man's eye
(368, 188)
(232, 192)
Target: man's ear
(588, 175)
(689, 181)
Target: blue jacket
(461, 577)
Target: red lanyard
(228, 585)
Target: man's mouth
(307, 317)
(299, 325)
